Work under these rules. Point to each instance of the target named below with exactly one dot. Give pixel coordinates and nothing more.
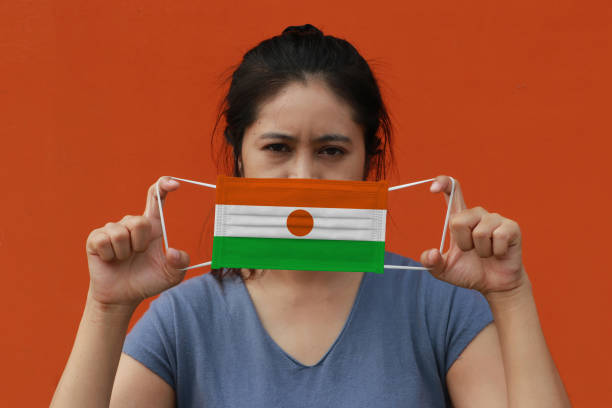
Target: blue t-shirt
(403, 333)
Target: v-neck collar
(253, 311)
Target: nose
(303, 166)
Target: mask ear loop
(163, 224)
(448, 210)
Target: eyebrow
(333, 137)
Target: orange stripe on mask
(302, 192)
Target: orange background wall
(99, 98)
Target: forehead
(306, 108)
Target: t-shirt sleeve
(469, 314)
(152, 340)
(456, 315)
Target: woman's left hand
(485, 248)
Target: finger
(98, 243)
(140, 231)
(177, 259)
(445, 185)
(120, 240)
(482, 234)
(506, 235)
(166, 184)
(462, 224)
(434, 261)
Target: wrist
(517, 295)
(108, 314)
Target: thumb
(177, 259)
(433, 260)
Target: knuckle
(456, 221)
(491, 217)
(123, 235)
(130, 221)
(92, 235)
(480, 234)
(119, 234)
(101, 241)
(139, 225)
(97, 236)
(514, 225)
(501, 234)
(141, 222)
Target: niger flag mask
(300, 224)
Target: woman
(305, 105)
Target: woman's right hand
(126, 259)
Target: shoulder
(441, 304)
(451, 316)
(178, 321)
(195, 295)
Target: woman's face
(305, 131)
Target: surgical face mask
(301, 224)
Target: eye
(332, 151)
(277, 147)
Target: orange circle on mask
(300, 223)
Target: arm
(508, 363)
(90, 372)
(96, 366)
(127, 264)
(476, 379)
(532, 377)
(137, 386)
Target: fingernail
(434, 186)
(432, 256)
(172, 182)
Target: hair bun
(306, 29)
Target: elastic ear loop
(419, 268)
(448, 209)
(161, 217)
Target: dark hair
(295, 55)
